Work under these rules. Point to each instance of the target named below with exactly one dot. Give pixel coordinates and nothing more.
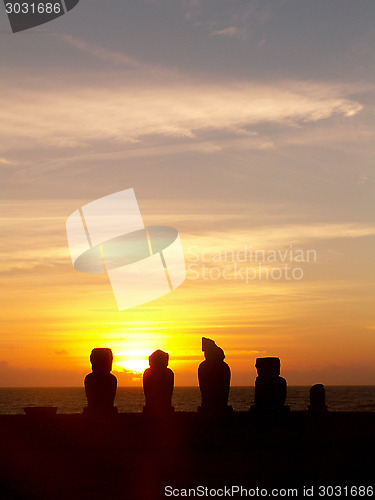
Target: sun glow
(131, 354)
(133, 365)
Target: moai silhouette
(158, 381)
(317, 408)
(214, 380)
(101, 385)
(270, 388)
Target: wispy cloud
(85, 117)
(4, 161)
(232, 231)
(231, 32)
(110, 56)
(270, 236)
(241, 19)
(113, 57)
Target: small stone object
(317, 407)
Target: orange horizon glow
(53, 316)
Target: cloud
(126, 377)
(241, 19)
(4, 161)
(34, 220)
(269, 236)
(92, 117)
(328, 134)
(113, 57)
(231, 32)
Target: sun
(134, 365)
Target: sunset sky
(247, 125)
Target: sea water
(131, 399)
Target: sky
(246, 125)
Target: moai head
(268, 367)
(101, 360)
(158, 360)
(212, 352)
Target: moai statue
(101, 385)
(158, 381)
(214, 380)
(270, 388)
(318, 408)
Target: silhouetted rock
(101, 385)
(270, 388)
(214, 379)
(158, 381)
(318, 408)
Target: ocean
(131, 399)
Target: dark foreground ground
(129, 457)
